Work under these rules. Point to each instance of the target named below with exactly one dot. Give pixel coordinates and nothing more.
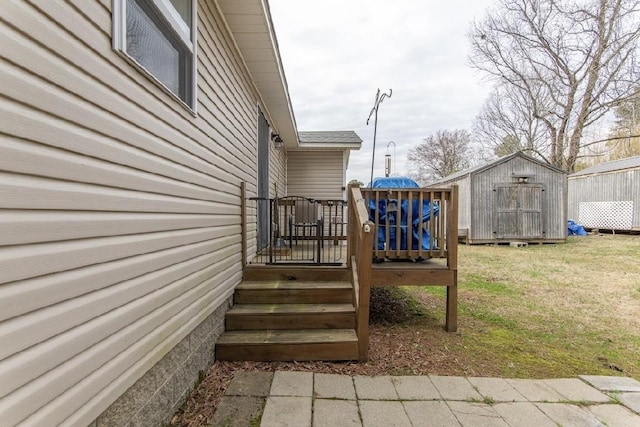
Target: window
(159, 36)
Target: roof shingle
(330, 137)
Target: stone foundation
(155, 397)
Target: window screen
(154, 44)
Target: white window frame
(180, 29)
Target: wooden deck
(293, 312)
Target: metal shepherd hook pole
(376, 105)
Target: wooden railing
(416, 224)
(413, 223)
(360, 241)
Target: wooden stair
(290, 320)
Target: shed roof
(343, 139)
(485, 166)
(614, 165)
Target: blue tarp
(389, 207)
(574, 229)
(394, 182)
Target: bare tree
(440, 155)
(506, 124)
(571, 60)
(624, 140)
(508, 145)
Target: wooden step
(291, 316)
(293, 292)
(287, 345)
(291, 272)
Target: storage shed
(514, 198)
(607, 196)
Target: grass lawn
(539, 311)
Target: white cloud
(337, 53)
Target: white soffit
(251, 26)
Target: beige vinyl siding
(277, 172)
(316, 174)
(119, 209)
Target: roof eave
(618, 165)
(252, 30)
(609, 171)
(331, 145)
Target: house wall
(277, 188)
(608, 200)
(119, 217)
(278, 172)
(482, 199)
(316, 174)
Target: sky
(337, 53)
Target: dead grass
(544, 311)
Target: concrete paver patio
(304, 399)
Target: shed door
(531, 212)
(518, 211)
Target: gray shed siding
(482, 199)
(605, 192)
(477, 199)
(119, 209)
(464, 204)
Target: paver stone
(285, 411)
(497, 389)
(615, 415)
(383, 414)
(375, 388)
(333, 386)
(292, 384)
(415, 388)
(332, 413)
(454, 388)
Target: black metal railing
(300, 230)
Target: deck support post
(451, 320)
(364, 279)
(360, 235)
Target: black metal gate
(303, 231)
